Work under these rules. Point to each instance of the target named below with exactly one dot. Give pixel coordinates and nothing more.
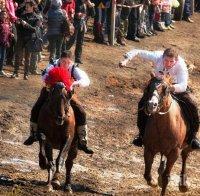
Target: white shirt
(178, 72)
(80, 77)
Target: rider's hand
(74, 84)
(123, 63)
(172, 88)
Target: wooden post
(112, 28)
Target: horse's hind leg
(183, 187)
(171, 159)
(68, 164)
(148, 159)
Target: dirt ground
(116, 167)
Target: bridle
(66, 105)
(160, 103)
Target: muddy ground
(116, 167)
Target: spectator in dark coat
(58, 27)
(26, 28)
(80, 28)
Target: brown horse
(56, 127)
(165, 133)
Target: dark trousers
(20, 50)
(79, 111)
(166, 18)
(78, 37)
(197, 5)
(142, 117)
(99, 21)
(188, 106)
(2, 56)
(55, 45)
(190, 110)
(187, 8)
(133, 23)
(10, 55)
(151, 11)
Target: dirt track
(111, 100)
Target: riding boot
(82, 135)
(193, 141)
(33, 134)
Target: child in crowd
(166, 6)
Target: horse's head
(157, 90)
(59, 102)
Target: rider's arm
(81, 78)
(144, 54)
(182, 77)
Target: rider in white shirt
(168, 62)
(79, 78)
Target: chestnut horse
(165, 133)
(56, 127)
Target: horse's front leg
(60, 161)
(43, 162)
(50, 168)
(171, 159)
(68, 164)
(148, 159)
(183, 187)
(161, 170)
(56, 178)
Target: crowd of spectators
(27, 25)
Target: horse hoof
(183, 188)
(56, 184)
(160, 181)
(152, 183)
(68, 189)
